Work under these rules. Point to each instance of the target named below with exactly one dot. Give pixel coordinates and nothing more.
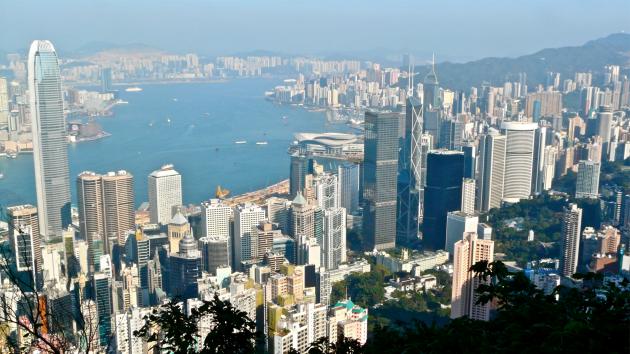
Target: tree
(173, 331)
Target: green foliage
(542, 214)
(233, 331)
(527, 320)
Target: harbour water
(193, 126)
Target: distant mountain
(592, 56)
(100, 47)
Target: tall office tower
(431, 98)
(279, 212)
(426, 145)
(140, 255)
(451, 134)
(102, 288)
(298, 170)
(302, 218)
(333, 245)
(165, 192)
(519, 156)
(216, 218)
(215, 253)
(586, 95)
(106, 208)
(442, 193)
(50, 153)
(625, 212)
(185, 269)
(587, 183)
(491, 170)
(549, 167)
(4, 103)
(571, 228)
(409, 169)
(177, 229)
(327, 190)
(246, 218)
(265, 233)
(467, 252)
(540, 136)
(24, 237)
(605, 117)
(470, 160)
(380, 168)
(468, 195)
(106, 79)
(349, 177)
(459, 223)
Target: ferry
(261, 143)
(168, 120)
(240, 142)
(1, 175)
(133, 89)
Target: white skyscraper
(571, 227)
(216, 219)
(165, 192)
(538, 168)
(491, 170)
(519, 157)
(326, 191)
(4, 102)
(246, 218)
(457, 224)
(333, 245)
(587, 183)
(50, 155)
(468, 195)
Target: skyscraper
(587, 183)
(24, 237)
(4, 103)
(605, 116)
(215, 253)
(348, 174)
(491, 170)
(442, 194)
(459, 223)
(246, 218)
(469, 251)
(50, 153)
(380, 167)
(216, 218)
(165, 192)
(540, 137)
(103, 296)
(409, 169)
(106, 79)
(468, 196)
(519, 155)
(333, 245)
(106, 207)
(571, 229)
(298, 170)
(185, 269)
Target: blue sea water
(205, 121)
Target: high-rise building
(549, 167)
(409, 169)
(215, 253)
(279, 212)
(380, 167)
(50, 153)
(491, 170)
(106, 208)
(106, 79)
(326, 187)
(467, 252)
(468, 196)
(216, 218)
(348, 174)
(333, 243)
(459, 223)
(165, 193)
(587, 183)
(519, 157)
(605, 117)
(177, 229)
(24, 237)
(470, 160)
(540, 138)
(543, 104)
(298, 170)
(185, 269)
(102, 287)
(246, 218)
(442, 193)
(4, 103)
(571, 228)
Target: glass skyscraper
(50, 153)
(380, 179)
(442, 193)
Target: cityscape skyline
(337, 202)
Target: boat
(13, 155)
(174, 99)
(168, 120)
(133, 89)
(261, 143)
(1, 175)
(240, 142)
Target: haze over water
(205, 121)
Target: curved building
(519, 159)
(50, 154)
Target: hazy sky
(454, 29)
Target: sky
(457, 30)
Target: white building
(519, 158)
(165, 193)
(246, 218)
(468, 196)
(333, 245)
(587, 183)
(216, 219)
(457, 224)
